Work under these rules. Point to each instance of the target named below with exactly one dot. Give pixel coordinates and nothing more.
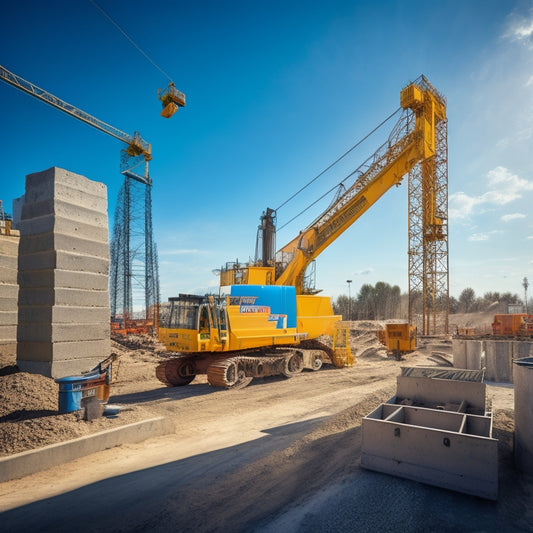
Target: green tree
(467, 300)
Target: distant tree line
(383, 301)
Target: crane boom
(411, 141)
(136, 145)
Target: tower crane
(136, 146)
(137, 149)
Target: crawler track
(235, 370)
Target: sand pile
(29, 416)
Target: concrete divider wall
(475, 357)
(495, 355)
(63, 266)
(459, 353)
(499, 361)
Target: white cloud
(476, 237)
(364, 272)
(530, 237)
(520, 29)
(512, 216)
(513, 184)
(181, 252)
(504, 187)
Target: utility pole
(525, 284)
(349, 281)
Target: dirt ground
(249, 459)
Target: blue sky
(276, 91)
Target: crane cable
(330, 166)
(130, 40)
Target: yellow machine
(269, 321)
(398, 338)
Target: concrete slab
(8, 304)
(62, 314)
(9, 291)
(68, 279)
(62, 297)
(8, 333)
(66, 195)
(9, 245)
(30, 462)
(61, 351)
(48, 223)
(8, 261)
(9, 275)
(65, 243)
(63, 261)
(8, 317)
(76, 213)
(43, 185)
(46, 332)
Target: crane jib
(325, 233)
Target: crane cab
(172, 100)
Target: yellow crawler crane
(271, 320)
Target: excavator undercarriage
(235, 370)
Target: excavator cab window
(183, 315)
(203, 324)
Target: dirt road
(280, 455)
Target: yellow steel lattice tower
(428, 235)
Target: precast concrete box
(435, 430)
(63, 273)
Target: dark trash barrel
(73, 389)
(523, 412)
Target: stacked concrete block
(8, 293)
(63, 316)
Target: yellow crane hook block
(172, 100)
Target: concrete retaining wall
(63, 265)
(499, 361)
(8, 292)
(26, 463)
(496, 356)
(459, 353)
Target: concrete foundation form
(450, 446)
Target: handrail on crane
(136, 145)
